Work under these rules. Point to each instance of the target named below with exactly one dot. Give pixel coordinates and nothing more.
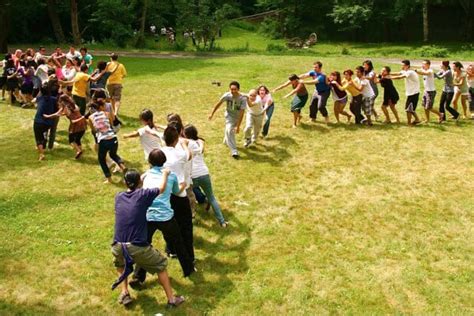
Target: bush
(345, 51)
(270, 27)
(431, 51)
(275, 48)
(244, 25)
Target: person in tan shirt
(114, 84)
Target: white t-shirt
(69, 73)
(176, 159)
(412, 82)
(257, 108)
(71, 56)
(149, 142)
(42, 73)
(429, 81)
(367, 91)
(199, 167)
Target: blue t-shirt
(160, 210)
(130, 215)
(321, 86)
(46, 105)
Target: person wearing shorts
(321, 94)
(114, 83)
(353, 87)
(430, 91)
(412, 90)
(300, 96)
(130, 245)
(339, 95)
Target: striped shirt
(101, 123)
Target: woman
(100, 75)
(339, 96)
(390, 95)
(11, 73)
(100, 123)
(268, 107)
(371, 76)
(27, 86)
(42, 125)
(448, 91)
(353, 86)
(461, 90)
(470, 83)
(200, 172)
(300, 98)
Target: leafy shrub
(244, 25)
(432, 51)
(275, 48)
(270, 27)
(345, 51)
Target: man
(58, 57)
(72, 53)
(412, 90)
(86, 59)
(40, 54)
(321, 93)
(114, 83)
(130, 243)
(430, 90)
(235, 107)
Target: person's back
(117, 72)
(160, 209)
(46, 105)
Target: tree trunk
(426, 26)
(468, 7)
(4, 25)
(53, 16)
(76, 34)
(141, 31)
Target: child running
(339, 95)
(390, 95)
(300, 98)
(268, 107)
(254, 120)
(430, 91)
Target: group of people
(360, 92)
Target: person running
(236, 103)
(322, 90)
(352, 86)
(430, 90)
(470, 83)
(79, 88)
(254, 120)
(461, 89)
(412, 90)
(390, 95)
(150, 137)
(300, 96)
(370, 75)
(46, 105)
(101, 75)
(200, 172)
(268, 107)
(339, 95)
(100, 123)
(368, 95)
(448, 91)
(115, 81)
(130, 244)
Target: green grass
(324, 219)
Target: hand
(287, 96)
(210, 117)
(237, 129)
(166, 172)
(184, 141)
(274, 90)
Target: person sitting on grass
(390, 94)
(130, 243)
(430, 91)
(412, 90)
(300, 98)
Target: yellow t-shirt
(79, 87)
(117, 76)
(350, 88)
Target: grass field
(324, 219)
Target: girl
(200, 172)
(353, 86)
(339, 96)
(448, 91)
(148, 133)
(12, 81)
(390, 94)
(461, 89)
(268, 107)
(300, 99)
(26, 88)
(42, 125)
(100, 123)
(101, 75)
(254, 118)
(370, 75)
(470, 82)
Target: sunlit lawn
(324, 219)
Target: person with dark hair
(368, 95)
(12, 81)
(430, 91)
(265, 97)
(150, 138)
(72, 53)
(322, 90)
(200, 172)
(100, 123)
(130, 243)
(3, 77)
(300, 96)
(58, 57)
(46, 105)
(353, 87)
(412, 90)
(254, 119)
(339, 95)
(448, 90)
(234, 113)
(101, 75)
(79, 88)
(115, 81)
(27, 85)
(42, 71)
(370, 75)
(86, 59)
(470, 83)
(390, 94)
(461, 90)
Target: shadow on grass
(274, 153)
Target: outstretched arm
(216, 107)
(132, 134)
(284, 85)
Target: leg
(464, 105)
(52, 134)
(113, 153)
(336, 110)
(257, 127)
(394, 111)
(296, 116)
(471, 101)
(248, 129)
(387, 115)
(452, 111)
(101, 154)
(205, 183)
(183, 216)
(323, 103)
(313, 107)
(230, 125)
(456, 99)
(269, 115)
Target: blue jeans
(204, 182)
(269, 115)
(109, 146)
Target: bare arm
(78, 120)
(216, 107)
(164, 179)
(241, 116)
(284, 85)
(460, 83)
(132, 134)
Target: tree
(468, 7)
(426, 23)
(4, 24)
(141, 31)
(53, 16)
(76, 34)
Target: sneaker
(224, 224)
(247, 143)
(172, 255)
(177, 300)
(125, 299)
(135, 284)
(236, 156)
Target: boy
(368, 95)
(234, 113)
(412, 90)
(430, 90)
(322, 90)
(254, 118)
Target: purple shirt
(130, 215)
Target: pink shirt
(267, 98)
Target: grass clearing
(324, 219)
